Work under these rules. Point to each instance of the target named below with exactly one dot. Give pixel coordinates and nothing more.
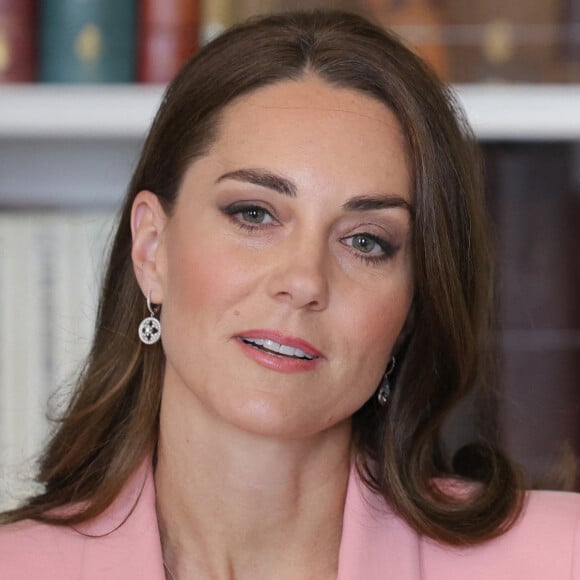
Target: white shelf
(522, 112)
(80, 111)
(496, 112)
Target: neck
(233, 504)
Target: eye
(249, 216)
(254, 215)
(365, 244)
(370, 248)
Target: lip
(276, 362)
(282, 338)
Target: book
(419, 23)
(51, 264)
(88, 41)
(168, 35)
(498, 41)
(23, 324)
(215, 17)
(18, 45)
(244, 9)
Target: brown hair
(112, 421)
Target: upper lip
(281, 338)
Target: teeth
(283, 349)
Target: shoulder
(123, 542)
(557, 508)
(28, 549)
(543, 544)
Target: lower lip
(278, 363)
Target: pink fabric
(376, 545)
(131, 551)
(543, 545)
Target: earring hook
(149, 307)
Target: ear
(148, 222)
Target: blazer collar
(376, 543)
(128, 544)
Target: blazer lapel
(375, 544)
(129, 545)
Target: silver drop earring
(150, 327)
(385, 388)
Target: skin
(269, 451)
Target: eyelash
(235, 210)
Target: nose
(299, 277)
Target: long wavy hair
(112, 421)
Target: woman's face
(285, 271)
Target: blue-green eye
(365, 244)
(370, 248)
(249, 216)
(254, 215)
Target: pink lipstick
(277, 351)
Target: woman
(305, 232)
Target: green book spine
(88, 41)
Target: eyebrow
(263, 179)
(287, 187)
(377, 201)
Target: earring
(150, 327)
(385, 388)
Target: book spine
(79, 248)
(498, 41)
(248, 8)
(88, 41)
(23, 376)
(50, 274)
(216, 16)
(168, 36)
(18, 48)
(420, 23)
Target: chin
(281, 420)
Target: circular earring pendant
(150, 330)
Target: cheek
(202, 278)
(374, 327)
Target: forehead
(312, 92)
(309, 124)
(311, 98)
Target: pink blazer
(376, 544)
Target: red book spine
(405, 16)
(18, 32)
(168, 36)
